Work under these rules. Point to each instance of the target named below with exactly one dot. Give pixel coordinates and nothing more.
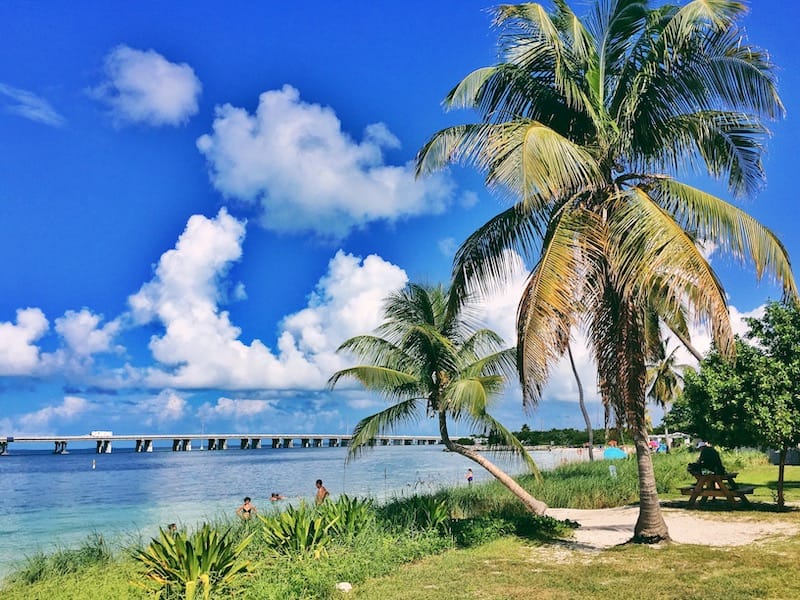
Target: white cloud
(29, 105)
(230, 409)
(165, 408)
(144, 87)
(294, 160)
(19, 355)
(70, 409)
(200, 346)
(82, 333)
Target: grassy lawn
(511, 568)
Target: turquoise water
(49, 501)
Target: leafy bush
(176, 563)
(298, 531)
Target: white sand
(612, 526)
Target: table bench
(717, 486)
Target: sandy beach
(604, 528)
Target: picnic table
(711, 485)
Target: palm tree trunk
(650, 526)
(532, 504)
(586, 418)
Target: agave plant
(177, 563)
(298, 531)
(347, 516)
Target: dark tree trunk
(781, 471)
(586, 418)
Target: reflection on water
(51, 500)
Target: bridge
(184, 442)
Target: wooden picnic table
(710, 485)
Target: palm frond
(382, 422)
(736, 232)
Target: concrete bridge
(186, 442)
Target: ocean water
(52, 501)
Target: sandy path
(611, 526)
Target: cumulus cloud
(30, 106)
(19, 354)
(168, 407)
(142, 86)
(294, 160)
(70, 409)
(83, 334)
(200, 346)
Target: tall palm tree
(425, 357)
(586, 123)
(665, 379)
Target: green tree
(756, 399)
(665, 380)
(778, 418)
(586, 123)
(425, 357)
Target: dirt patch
(608, 527)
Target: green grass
(487, 546)
(511, 568)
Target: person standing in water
(322, 493)
(469, 476)
(246, 510)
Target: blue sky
(199, 204)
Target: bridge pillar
(244, 444)
(222, 444)
(103, 447)
(187, 445)
(212, 443)
(176, 446)
(317, 442)
(287, 443)
(305, 443)
(407, 442)
(384, 442)
(60, 447)
(255, 443)
(276, 443)
(333, 442)
(3, 447)
(344, 442)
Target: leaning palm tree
(426, 358)
(586, 124)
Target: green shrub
(176, 563)
(64, 560)
(298, 531)
(417, 513)
(348, 517)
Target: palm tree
(425, 357)
(586, 123)
(665, 380)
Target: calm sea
(52, 501)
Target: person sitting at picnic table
(709, 461)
